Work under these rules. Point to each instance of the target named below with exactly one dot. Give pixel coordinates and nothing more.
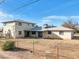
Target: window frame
(33, 32)
(61, 32)
(20, 32)
(19, 23)
(49, 32)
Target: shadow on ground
(17, 49)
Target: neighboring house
(58, 32)
(76, 33)
(53, 33)
(77, 30)
(18, 29)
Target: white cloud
(52, 19)
(4, 17)
(45, 22)
(74, 17)
(3, 14)
(55, 17)
(60, 17)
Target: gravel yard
(67, 49)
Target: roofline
(49, 29)
(55, 30)
(59, 30)
(17, 21)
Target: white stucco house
(58, 32)
(23, 29)
(17, 28)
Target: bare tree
(70, 24)
(48, 26)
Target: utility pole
(47, 54)
(33, 46)
(57, 52)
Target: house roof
(37, 29)
(58, 29)
(52, 29)
(17, 21)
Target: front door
(26, 33)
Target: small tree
(48, 26)
(8, 45)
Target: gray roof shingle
(17, 21)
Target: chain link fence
(45, 49)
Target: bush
(8, 45)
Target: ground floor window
(33, 32)
(49, 32)
(61, 32)
(19, 32)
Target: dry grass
(68, 49)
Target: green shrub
(8, 45)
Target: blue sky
(45, 11)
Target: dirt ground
(44, 49)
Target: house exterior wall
(14, 28)
(24, 26)
(66, 35)
(7, 27)
(55, 34)
(46, 35)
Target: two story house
(17, 28)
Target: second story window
(20, 24)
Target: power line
(25, 5)
(2, 1)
